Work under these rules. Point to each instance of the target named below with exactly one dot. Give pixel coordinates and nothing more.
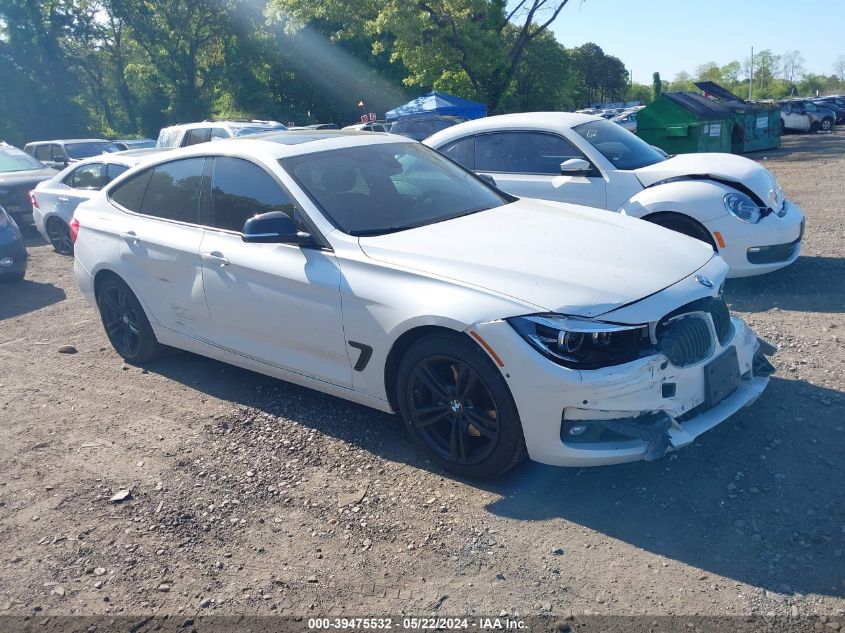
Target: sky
(669, 36)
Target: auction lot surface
(250, 495)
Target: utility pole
(751, 75)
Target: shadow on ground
(22, 297)
(775, 521)
(811, 284)
(795, 145)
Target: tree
(478, 44)
(791, 66)
(603, 77)
(839, 68)
(656, 86)
(682, 83)
(709, 72)
(640, 92)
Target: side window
(218, 132)
(57, 151)
(523, 152)
(196, 136)
(42, 153)
(88, 176)
(174, 191)
(461, 151)
(113, 170)
(240, 190)
(130, 193)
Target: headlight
(743, 207)
(581, 343)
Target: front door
(527, 164)
(276, 303)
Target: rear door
(78, 186)
(160, 237)
(276, 303)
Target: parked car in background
(19, 173)
(55, 200)
(317, 126)
(378, 271)
(135, 143)
(627, 119)
(372, 126)
(800, 115)
(837, 104)
(420, 127)
(729, 202)
(12, 249)
(186, 134)
(60, 154)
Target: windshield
(622, 148)
(86, 150)
(13, 159)
(382, 188)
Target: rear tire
(125, 323)
(458, 407)
(684, 225)
(814, 127)
(59, 234)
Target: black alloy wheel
(59, 234)
(125, 323)
(458, 407)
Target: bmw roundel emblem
(704, 281)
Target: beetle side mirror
(488, 179)
(274, 228)
(575, 167)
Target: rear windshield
(87, 150)
(13, 159)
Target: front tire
(59, 234)
(458, 407)
(827, 125)
(125, 323)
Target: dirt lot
(253, 496)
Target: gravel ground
(250, 495)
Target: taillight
(33, 200)
(74, 230)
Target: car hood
(28, 177)
(552, 256)
(726, 167)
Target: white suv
(186, 134)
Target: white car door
(276, 303)
(160, 237)
(796, 118)
(527, 163)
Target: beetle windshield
(622, 148)
(388, 187)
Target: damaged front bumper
(629, 412)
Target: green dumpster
(684, 123)
(756, 125)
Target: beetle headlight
(582, 343)
(743, 207)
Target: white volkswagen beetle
(730, 202)
(378, 271)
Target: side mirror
(273, 228)
(575, 167)
(61, 160)
(488, 179)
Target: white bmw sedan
(370, 267)
(729, 202)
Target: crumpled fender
(699, 199)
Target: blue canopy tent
(438, 103)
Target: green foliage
(656, 86)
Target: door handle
(130, 236)
(215, 258)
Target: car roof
(72, 140)
(284, 143)
(523, 120)
(129, 157)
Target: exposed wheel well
(690, 226)
(391, 365)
